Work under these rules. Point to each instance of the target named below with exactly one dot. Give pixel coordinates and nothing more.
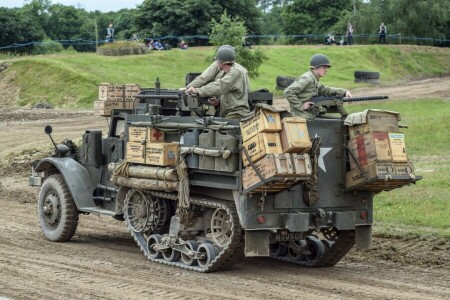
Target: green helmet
(318, 60)
(226, 54)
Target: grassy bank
(70, 80)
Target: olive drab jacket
(303, 89)
(231, 88)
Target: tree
(313, 16)
(18, 28)
(232, 32)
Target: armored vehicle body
(199, 192)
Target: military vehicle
(195, 212)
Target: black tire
(58, 215)
(210, 254)
(367, 75)
(284, 81)
(193, 246)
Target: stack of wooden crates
(147, 146)
(277, 149)
(115, 96)
(378, 147)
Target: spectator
(183, 45)
(110, 33)
(157, 45)
(382, 32)
(349, 33)
(330, 40)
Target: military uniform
(303, 89)
(231, 88)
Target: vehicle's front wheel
(58, 215)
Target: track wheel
(153, 240)
(295, 253)
(315, 248)
(58, 215)
(209, 253)
(190, 261)
(171, 255)
(221, 227)
(278, 249)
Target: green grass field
(71, 81)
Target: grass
(71, 80)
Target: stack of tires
(366, 76)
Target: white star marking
(323, 152)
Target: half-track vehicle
(194, 195)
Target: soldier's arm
(331, 91)
(221, 86)
(292, 94)
(206, 77)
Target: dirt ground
(103, 261)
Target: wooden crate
(302, 164)
(261, 144)
(373, 120)
(124, 92)
(397, 146)
(161, 154)
(144, 134)
(294, 135)
(135, 152)
(263, 121)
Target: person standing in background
(110, 33)
(349, 33)
(383, 31)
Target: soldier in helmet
(226, 83)
(300, 92)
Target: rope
(183, 187)
(122, 169)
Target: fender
(76, 177)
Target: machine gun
(325, 105)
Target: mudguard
(76, 177)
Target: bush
(47, 47)
(121, 48)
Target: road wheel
(58, 215)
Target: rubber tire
(284, 81)
(154, 238)
(278, 250)
(210, 252)
(193, 246)
(317, 247)
(69, 214)
(171, 255)
(367, 75)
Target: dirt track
(102, 260)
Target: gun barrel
(368, 98)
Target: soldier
(300, 92)
(227, 80)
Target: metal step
(97, 211)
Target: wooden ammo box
(161, 154)
(124, 92)
(144, 134)
(105, 107)
(368, 148)
(263, 121)
(272, 167)
(302, 164)
(135, 152)
(294, 135)
(261, 144)
(404, 169)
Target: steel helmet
(226, 54)
(318, 60)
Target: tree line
(41, 20)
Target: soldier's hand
(182, 89)
(308, 105)
(214, 101)
(191, 90)
(348, 94)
